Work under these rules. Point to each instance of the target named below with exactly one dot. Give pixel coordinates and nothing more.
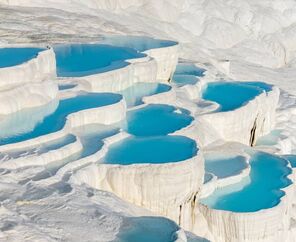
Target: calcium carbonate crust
(147, 184)
(38, 69)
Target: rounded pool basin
(181, 80)
(77, 60)
(154, 150)
(189, 70)
(225, 167)
(16, 56)
(261, 190)
(230, 95)
(55, 120)
(156, 119)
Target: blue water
(230, 95)
(139, 43)
(268, 175)
(16, 56)
(134, 94)
(156, 150)
(92, 136)
(292, 159)
(181, 80)
(78, 60)
(262, 85)
(147, 229)
(156, 119)
(24, 121)
(189, 69)
(66, 86)
(56, 120)
(225, 167)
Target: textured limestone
(102, 115)
(247, 123)
(265, 225)
(166, 59)
(27, 96)
(139, 70)
(169, 189)
(37, 69)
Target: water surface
(155, 150)
(261, 190)
(16, 56)
(77, 60)
(156, 119)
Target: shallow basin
(155, 150)
(156, 119)
(77, 60)
(53, 121)
(261, 190)
(231, 95)
(16, 56)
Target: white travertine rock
(247, 123)
(166, 59)
(168, 97)
(44, 159)
(267, 225)
(108, 114)
(27, 96)
(169, 189)
(139, 70)
(37, 69)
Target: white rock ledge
(166, 59)
(266, 225)
(37, 69)
(139, 70)
(27, 96)
(169, 189)
(247, 123)
(108, 114)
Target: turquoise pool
(261, 190)
(139, 43)
(56, 120)
(156, 119)
(77, 60)
(262, 85)
(134, 94)
(155, 150)
(147, 229)
(225, 167)
(16, 56)
(189, 70)
(181, 80)
(231, 95)
(187, 74)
